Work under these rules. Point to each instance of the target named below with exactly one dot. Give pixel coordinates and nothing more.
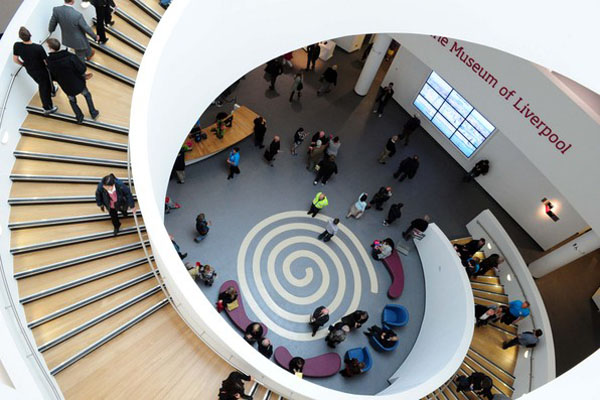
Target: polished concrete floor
(237, 206)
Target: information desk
(242, 127)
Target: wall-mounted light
(548, 207)
(4, 139)
(526, 354)
(508, 277)
(489, 246)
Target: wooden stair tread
(27, 261)
(55, 189)
(51, 279)
(154, 6)
(497, 383)
(168, 356)
(42, 123)
(128, 30)
(488, 342)
(487, 279)
(67, 349)
(40, 308)
(489, 288)
(50, 168)
(497, 297)
(111, 97)
(110, 62)
(493, 367)
(36, 212)
(49, 146)
(137, 13)
(53, 329)
(123, 48)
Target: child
(298, 139)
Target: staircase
(99, 316)
(485, 353)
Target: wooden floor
(242, 127)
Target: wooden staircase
(485, 353)
(99, 317)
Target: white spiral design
(303, 234)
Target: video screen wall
(454, 116)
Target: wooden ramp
(99, 316)
(242, 127)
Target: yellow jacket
(320, 203)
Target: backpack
(164, 3)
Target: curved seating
(379, 347)
(322, 366)
(239, 316)
(394, 267)
(361, 354)
(394, 315)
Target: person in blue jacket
(113, 195)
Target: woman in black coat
(407, 168)
(327, 167)
(114, 196)
(272, 151)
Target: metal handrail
(21, 325)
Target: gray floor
(260, 191)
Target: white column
(372, 64)
(565, 254)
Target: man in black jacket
(394, 213)
(389, 150)
(114, 196)
(103, 17)
(419, 224)
(327, 167)
(411, 125)
(272, 151)
(260, 128)
(68, 70)
(329, 78)
(383, 195)
(385, 94)
(407, 168)
(313, 51)
(318, 319)
(273, 70)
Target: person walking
(334, 147)
(419, 224)
(527, 339)
(179, 166)
(328, 78)
(297, 86)
(407, 168)
(383, 195)
(481, 168)
(233, 162)
(114, 196)
(68, 70)
(325, 169)
(330, 230)
(313, 51)
(103, 17)
(319, 202)
(411, 125)
(33, 57)
(272, 151)
(516, 311)
(491, 262)
(260, 128)
(273, 70)
(385, 94)
(389, 150)
(73, 29)
(318, 319)
(358, 208)
(394, 213)
(315, 154)
(233, 387)
(298, 139)
(202, 227)
(337, 334)
(468, 250)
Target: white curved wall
(237, 36)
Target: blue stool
(361, 354)
(394, 315)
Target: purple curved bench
(394, 266)
(239, 316)
(322, 366)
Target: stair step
(487, 341)
(486, 279)
(32, 239)
(130, 31)
(109, 50)
(124, 266)
(46, 311)
(41, 261)
(497, 297)
(43, 137)
(123, 73)
(30, 155)
(491, 365)
(108, 337)
(95, 215)
(487, 302)
(498, 384)
(488, 287)
(48, 171)
(86, 122)
(137, 13)
(96, 320)
(135, 22)
(129, 41)
(449, 394)
(151, 11)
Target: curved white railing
(186, 85)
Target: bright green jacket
(320, 203)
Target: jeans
(200, 238)
(42, 78)
(88, 98)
